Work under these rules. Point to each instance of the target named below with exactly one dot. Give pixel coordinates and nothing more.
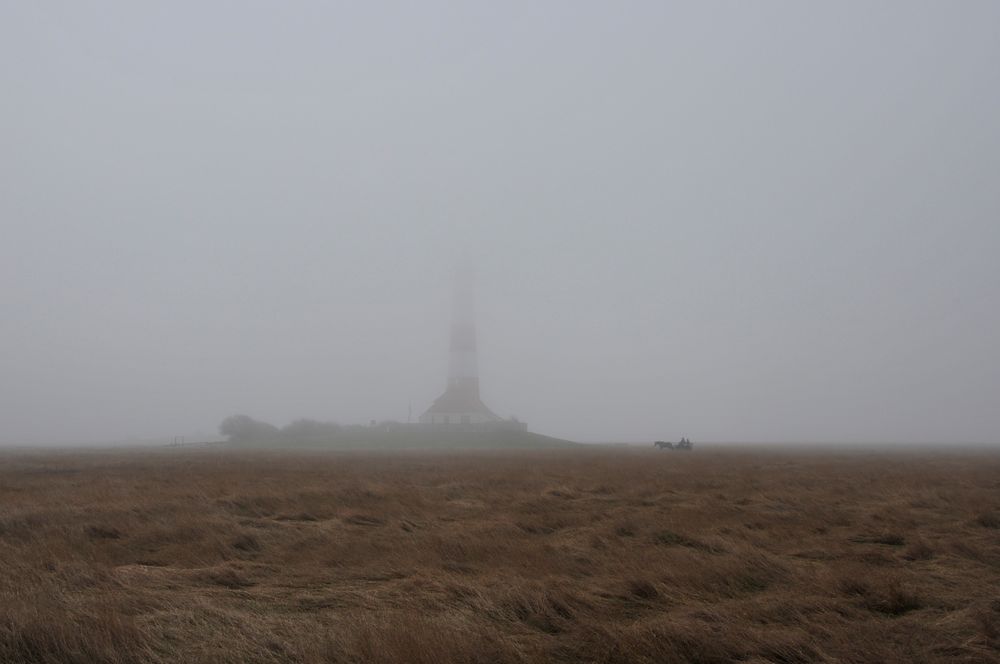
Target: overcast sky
(738, 221)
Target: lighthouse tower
(460, 404)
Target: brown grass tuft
(988, 520)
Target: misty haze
(499, 332)
(741, 223)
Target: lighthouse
(460, 404)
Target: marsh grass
(603, 555)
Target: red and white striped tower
(460, 403)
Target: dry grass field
(610, 555)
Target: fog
(768, 221)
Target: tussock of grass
(102, 532)
(592, 556)
(882, 595)
(919, 550)
(246, 542)
(363, 520)
(988, 520)
(889, 539)
(226, 577)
